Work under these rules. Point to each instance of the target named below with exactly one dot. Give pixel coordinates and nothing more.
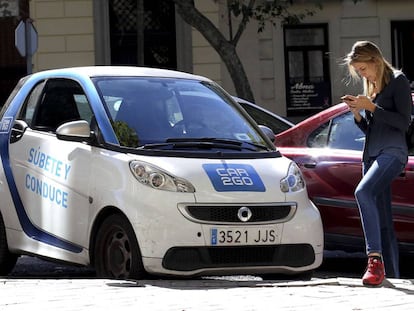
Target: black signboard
(308, 96)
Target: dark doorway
(12, 65)
(142, 32)
(402, 35)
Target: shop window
(308, 85)
(402, 36)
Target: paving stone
(207, 294)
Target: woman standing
(387, 104)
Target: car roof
(122, 71)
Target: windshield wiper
(205, 139)
(232, 141)
(259, 146)
(205, 143)
(221, 141)
(191, 144)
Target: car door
(331, 176)
(403, 203)
(331, 165)
(344, 137)
(52, 176)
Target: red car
(328, 149)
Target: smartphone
(347, 97)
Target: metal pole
(27, 24)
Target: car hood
(230, 180)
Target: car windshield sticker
(234, 177)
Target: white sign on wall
(9, 8)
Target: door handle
(310, 165)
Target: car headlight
(156, 178)
(294, 180)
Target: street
(40, 285)
(335, 264)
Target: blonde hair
(368, 52)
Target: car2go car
(137, 170)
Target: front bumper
(216, 257)
(299, 248)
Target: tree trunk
(230, 58)
(225, 49)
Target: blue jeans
(373, 195)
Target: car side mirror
(74, 131)
(268, 132)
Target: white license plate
(244, 236)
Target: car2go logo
(234, 177)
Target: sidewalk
(205, 294)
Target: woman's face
(367, 70)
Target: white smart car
(136, 170)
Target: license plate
(245, 236)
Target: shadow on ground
(335, 264)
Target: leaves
(125, 134)
(240, 13)
(271, 11)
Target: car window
(31, 103)
(84, 109)
(54, 102)
(339, 133)
(319, 137)
(344, 133)
(12, 96)
(152, 110)
(268, 120)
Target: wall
(263, 54)
(206, 61)
(65, 32)
(66, 38)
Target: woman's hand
(360, 102)
(353, 103)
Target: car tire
(7, 259)
(116, 252)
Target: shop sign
(304, 96)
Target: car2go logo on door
(234, 177)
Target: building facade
(294, 71)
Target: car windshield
(155, 112)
